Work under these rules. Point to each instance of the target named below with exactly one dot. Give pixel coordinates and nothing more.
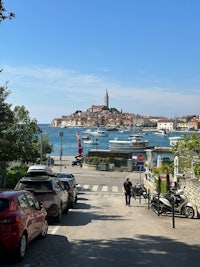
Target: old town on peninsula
(112, 118)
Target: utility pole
(61, 150)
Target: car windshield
(64, 175)
(4, 204)
(66, 184)
(35, 185)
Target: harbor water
(65, 138)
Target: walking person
(127, 187)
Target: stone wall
(191, 188)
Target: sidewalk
(65, 165)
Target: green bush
(14, 175)
(97, 160)
(163, 185)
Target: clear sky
(61, 56)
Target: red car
(21, 220)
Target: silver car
(70, 185)
(49, 191)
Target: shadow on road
(144, 250)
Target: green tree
(6, 140)
(23, 130)
(188, 151)
(4, 14)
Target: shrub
(97, 160)
(14, 175)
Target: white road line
(86, 186)
(104, 188)
(95, 187)
(55, 230)
(114, 188)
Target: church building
(99, 108)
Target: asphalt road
(102, 231)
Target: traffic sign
(140, 157)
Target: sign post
(140, 164)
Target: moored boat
(97, 132)
(173, 140)
(162, 132)
(94, 141)
(137, 143)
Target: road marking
(95, 187)
(115, 189)
(55, 230)
(104, 188)
(99, 188)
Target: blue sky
(61, 56)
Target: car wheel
(21, 249)
(44, 229)
(58, 217)
(66, 209)
(76, 198)
(72, 205)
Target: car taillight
(50, 193)
(9, 220)
(69, 190)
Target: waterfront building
(167, 125)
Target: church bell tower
(106, 102)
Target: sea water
(65, 138)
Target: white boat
(173, 140)
(85, 137)
(94, 141)
(137, 143)
(97, 132)
(137, 136)
(162, 132)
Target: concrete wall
(191, 188)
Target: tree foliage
(4, 14)
(6, 120)
(188, 151)
(23, 131)
(19, 140)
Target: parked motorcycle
(164, 203)
(139, 190)
(78, 161)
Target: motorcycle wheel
(189, 212)
(155, 209)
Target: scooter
(177, 200)
(78, 161)
(139, 190)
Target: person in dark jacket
(127, 188)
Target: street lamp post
(61, 150)
(41, 145)
(41, 148)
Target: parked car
(22, 219)
(48, 190)
(70, 185)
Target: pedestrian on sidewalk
(127, 188)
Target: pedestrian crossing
(99, 188)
